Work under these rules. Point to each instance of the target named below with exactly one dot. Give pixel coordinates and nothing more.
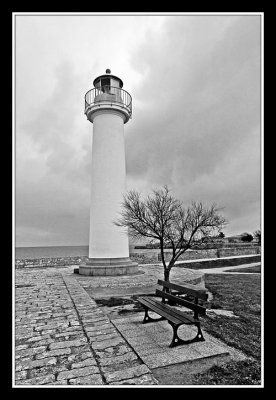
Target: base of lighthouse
(109, 267)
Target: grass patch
(245, 372)
(248, 270)
(242, 295)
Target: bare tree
(258, 235)
(162, 218)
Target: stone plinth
(109, 267)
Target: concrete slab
(151, 342)
(143, 283)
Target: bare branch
(163, 218)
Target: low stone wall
(48, 262)
(199, 254)
(229, 252)
(220, 262)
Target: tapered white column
(108, 176)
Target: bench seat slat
(172, 310)
(178, 313)
(168, 312)
(161, 311)
(189, 319)
(188, 289)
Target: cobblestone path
(63, 338)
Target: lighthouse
(108, 107)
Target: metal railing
(109, 94)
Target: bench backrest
(187, 289)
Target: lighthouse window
(105, 83)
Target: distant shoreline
(37, 252)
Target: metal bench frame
(175, 317)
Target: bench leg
(176, 341)
(147, 318)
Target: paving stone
(96, 314)
(94, 379)
(20, 375)
(128, 373)
(70, 329)
(29, 352)
(49, 369)
(21, 347)
(74, 323)
(107, 343)
(69, 337)
(99, 330)
(48, 331)
(120, 366)
(38, 338)
(78, 372)
(69, 343)
(99, 338)
(113, 351)
(25, 359)
(147, 379)
(38, 381)
(23, 332)
(42, 342)
(68, 333)
(80, 349)
(36, 363)
(25, 336)
(63, 382)
(130, 356)
(85, 363)
(53, 353)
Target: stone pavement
(63, 338)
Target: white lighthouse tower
(108, 107)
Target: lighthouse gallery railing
(108, 94)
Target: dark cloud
(199, 127)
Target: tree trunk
(166, 275)
(162, 253)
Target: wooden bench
(171, 295)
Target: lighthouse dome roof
(108, 75)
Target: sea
(50, 252)
(55, 252)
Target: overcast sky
(195, 85)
